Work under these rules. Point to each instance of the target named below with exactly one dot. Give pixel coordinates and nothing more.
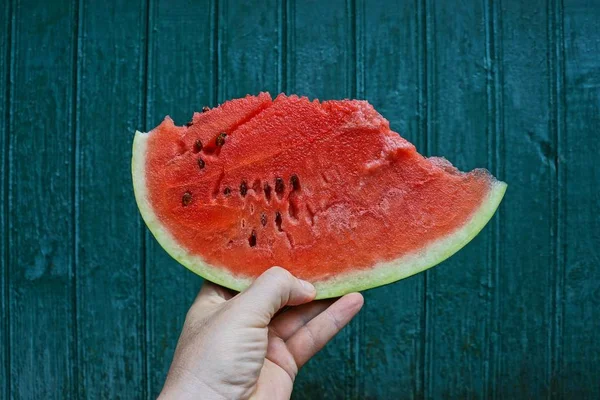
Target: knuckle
(334, 319)
(280, 275)
(311, 340)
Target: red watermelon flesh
(323, 189)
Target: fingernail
(307, 286)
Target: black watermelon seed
(295, 182)
(263, 219)
(205, 109)
(243, 188)
(227, 191)
(279, 186)
(201, 163)
(188, 124)
(278, 220)
(197, 145)
(267, 189)
(221, 139)
(252, 239)
(186, 199)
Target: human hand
(239, 347)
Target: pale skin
(250, 345)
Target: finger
(277, 353)
(287, 323)
(311, 338)
(272, 290)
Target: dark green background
(92, 306)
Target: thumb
(271, 291)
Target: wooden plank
(249, 48)
(524, 283)
(110, 275)
(391, 346)
(181, 78)
(458, 290)
(41, 205)
(579, 175)
(319, 63)
(5, 62)
(319, 59)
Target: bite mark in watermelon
(323, 189)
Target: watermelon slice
(323, 189)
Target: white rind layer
(361, 279)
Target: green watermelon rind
(431, 255)
(362, 279)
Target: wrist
(187, 386)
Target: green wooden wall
(92, 306)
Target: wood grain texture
(250, 48)
(579, 176)
(5, 105)
(110, 284)
(320, 63)
(524, 287)
(41, 187)
(92, 307)
(182, 61)
(391, 345)
(459, 127)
